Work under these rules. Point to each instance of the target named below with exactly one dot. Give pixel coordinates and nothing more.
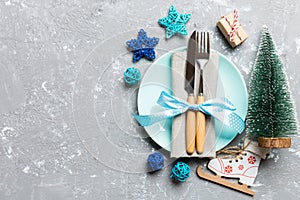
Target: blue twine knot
(132, 76)
(180, 172)
(155, 161)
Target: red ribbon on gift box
(234, 26)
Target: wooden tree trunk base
(284, 142)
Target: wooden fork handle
(190, 127)
(201, 128)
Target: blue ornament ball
(180, 172)
(132, 76)
(155, 161)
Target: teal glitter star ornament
(174, 22)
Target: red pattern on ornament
(241, 167)
(251, 160)
(228, 169)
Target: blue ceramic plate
(158, 79)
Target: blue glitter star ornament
(143, 46)
(174, 22)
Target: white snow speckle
(257, 184)
(7, 129)
(247, 8)
(44, 87)
(9, 152)
(298, 45)
(26, 170)
(8, 3)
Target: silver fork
(202, 57)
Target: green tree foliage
(270, 109)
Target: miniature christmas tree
(271, 116)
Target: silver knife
(189, 87)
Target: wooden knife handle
(190, 127)
(201, 128)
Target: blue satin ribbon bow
(148, 53)
(219, 108)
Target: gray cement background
(65, 125)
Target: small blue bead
(132, 76)
(155, 161)
(180, 172)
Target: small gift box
(232, 29)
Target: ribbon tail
(168, 101)
(147, 120)
(230, 119)
(236, 122)
(226, 115)
(221, 103)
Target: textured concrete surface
(65, 125)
